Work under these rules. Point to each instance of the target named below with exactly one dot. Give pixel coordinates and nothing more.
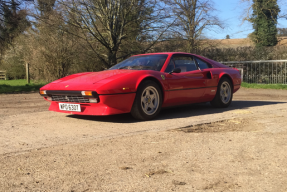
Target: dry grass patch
(230, 125)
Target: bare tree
(49, 49)
(113, 23)
(193, 18)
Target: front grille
(66, 98)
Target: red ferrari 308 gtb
(143, 84)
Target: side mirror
(175, 70)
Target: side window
(170, 66)
(202, 64)
(185, 63)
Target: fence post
(241, 73)
(27, 73)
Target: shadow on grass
(179, 112)
(19, 88)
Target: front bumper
(108, 105)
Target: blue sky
(231, 12)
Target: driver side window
(170, 66)
(184, 62)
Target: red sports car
(143, 84)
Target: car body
(143, 84)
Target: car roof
(212, 62)
(171, 53)
(164, 53)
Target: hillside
(233, 43)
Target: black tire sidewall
(137, 111)
(217, 102)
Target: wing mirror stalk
(175, 70)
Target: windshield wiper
(136, 67)
(124, 67)
(140, 67)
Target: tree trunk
(190, 46)
(112, 58)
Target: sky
(231, 13)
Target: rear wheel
(224, 93)
(148, 101)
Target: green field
(264, 86)
(14, 86)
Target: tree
(227, 37)
(248, 10)
(264, 20)
(46, 6)
(52, 52)
(192, 17)
(112, 23)
(12, 21)
(282, 32)
(49, 49)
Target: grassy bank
(264, 86)
(14, 86)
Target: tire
(224, 94)
(148, 101)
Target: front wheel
(148, 101)
(224, 94)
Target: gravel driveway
(190, 148)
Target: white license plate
(70, 107)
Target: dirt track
(192, 148)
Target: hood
(86, 81)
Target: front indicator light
(43, 92)
(93, 100)
(87, 93)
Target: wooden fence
(3, 75)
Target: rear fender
(228, 76)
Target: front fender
(158, 78)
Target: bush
(13, 64)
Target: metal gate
(262, 72)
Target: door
(211, 79)
(189, 85)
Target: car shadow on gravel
(193, 110)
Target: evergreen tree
(227, 37)
(264, 19)
(12, 21)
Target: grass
(14, 86)
(264, 86)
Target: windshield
(143, 62)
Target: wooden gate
(3, 75)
